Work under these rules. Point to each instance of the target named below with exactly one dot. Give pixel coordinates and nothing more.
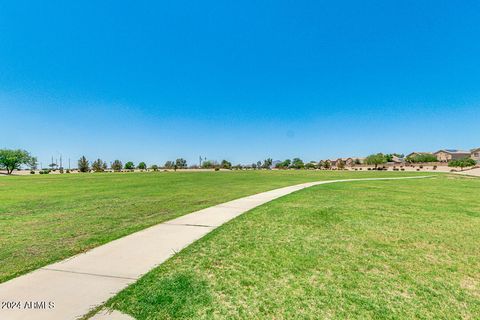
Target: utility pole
(61, 165)
(68, 163)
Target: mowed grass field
(50, 217)
(400, 249)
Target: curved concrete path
(78, 284)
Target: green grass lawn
(50, 217)
(357, 250)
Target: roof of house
(476, 149)
(453, 151)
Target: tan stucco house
(475, 154)
(451, 154)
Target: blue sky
(241, 80)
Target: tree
(104, 166)
(254, 166)
(169, 165)
(284, 164)
(320, 164)
(462, 163)
(129, 165)
(297, 163)
(97, 165)
(207, 164)
(117, 165)
(181, 163)
(267, 163)
(13, 159)
(154, 167)
(225, 164)
(83, 165)
(327, 164)
(340, 164)
(142, 166)
(422, 158)
(375, 159)
(259, 164)
(357, 161)
(32, 163)
(310, 165)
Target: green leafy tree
(207, 164)
(181, 163)
(104, 166)
(422, 158)
(117, 165)
(97, 165)
(376, 159)
(284, 164)
(297, 163)
(259, 164)
(14, 159)
(310, 165)
(225, 164)
(169, 165)
(129, 165)
(267, 163)
(340, 164)
(320, 164)
(254, 166)
(83, 164)
(142, 166)
(154, 167)
(327, 164)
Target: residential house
(475, 154)
(446, 155)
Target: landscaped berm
(384, 249)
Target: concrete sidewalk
(71, 288)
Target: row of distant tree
(14, 159)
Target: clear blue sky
(241, 80)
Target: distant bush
(217, 169)
(419, 158)
(462, 163)
(154, 167)
(32, 172)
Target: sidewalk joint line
(89, 274)
(189, 225)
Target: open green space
(358, 250)
(45, 218)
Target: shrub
(217, 168)
(154, 167)
(462, 163)
(32, 172)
